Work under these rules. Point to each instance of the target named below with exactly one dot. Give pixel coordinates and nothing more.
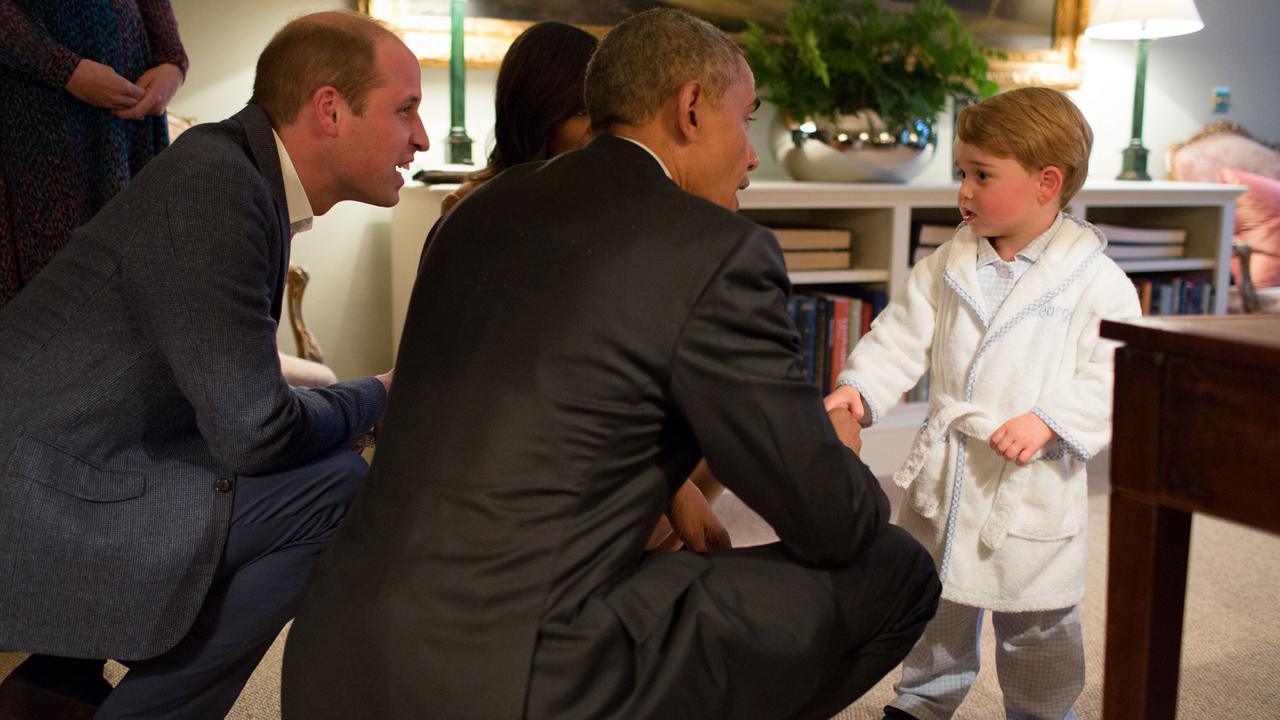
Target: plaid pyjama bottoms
(1039, 663)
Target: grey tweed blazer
(138, 378)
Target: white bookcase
(881, 217)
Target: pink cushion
(1257, 225)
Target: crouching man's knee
(892, 587)
(343, 472)
(313, 497)
(919, 576)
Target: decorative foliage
(842, 56)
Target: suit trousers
(279, 525)
(759, 634)
(884, 602)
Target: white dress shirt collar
(651, 153)
(987, 254)
(295, 196)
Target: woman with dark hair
(539, 110)
(540, 113)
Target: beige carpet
(1231, 645)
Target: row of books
(1123, 243)
(830, 325)
(1130, 243)
(811, 248)
(1188, 295)
(928, 238)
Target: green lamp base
(1134, 163)
(458, 147)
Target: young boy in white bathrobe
(1005, 318)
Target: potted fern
(859, 89)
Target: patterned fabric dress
(62, 159)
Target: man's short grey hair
(647, 58)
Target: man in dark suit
(581, 332)
(163, 491)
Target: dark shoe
(893, 713)
(44, 686)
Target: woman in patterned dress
(83, 90)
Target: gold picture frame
(487, 40)
(1059, 65)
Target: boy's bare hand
(848, 398)
(1020, 438)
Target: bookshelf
(882, 218)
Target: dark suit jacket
(138, 373)
(580, 332)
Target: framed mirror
(1038, 37)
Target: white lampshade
(1138, 19)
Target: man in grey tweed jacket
(163, 491)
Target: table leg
(1146, 585)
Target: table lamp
(1144, 21)
(458, 144)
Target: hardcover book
(810, 238)
(818, 259)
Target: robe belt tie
(926, 466)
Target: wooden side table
(1196, 429)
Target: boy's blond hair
(1036, 126)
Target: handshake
(844, 407)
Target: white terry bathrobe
(1008, 538)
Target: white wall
(1237, 48)
(348, 303)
